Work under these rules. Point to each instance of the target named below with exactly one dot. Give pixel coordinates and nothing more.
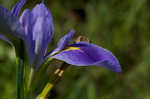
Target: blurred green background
(121, 26)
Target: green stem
(30, 79)
(28, 91)
(54, 79)
(20, 70)
(45, 91)
(20, 73)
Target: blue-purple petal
(16, 9)
(26, 22)
(85, 54)
(10, 25)
(38, 27)
(42, 1)
(63, 42)
(43, 27)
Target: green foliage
(120, 26)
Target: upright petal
(64, 41)
(10, 25)
(42, 1)
(16, 9)
(26, 22)
(85, 54)
(38, 26)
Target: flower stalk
(30, 79)
(20, 70)
(45, 91)
(54, 79)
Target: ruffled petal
(16, 9)
(38, 26)
(85, 54)
(10, 25)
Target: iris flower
(35, 28)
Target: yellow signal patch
(71, 48)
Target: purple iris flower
(35, 28)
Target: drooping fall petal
(15, 12)
(10, 25)
(85, 54)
